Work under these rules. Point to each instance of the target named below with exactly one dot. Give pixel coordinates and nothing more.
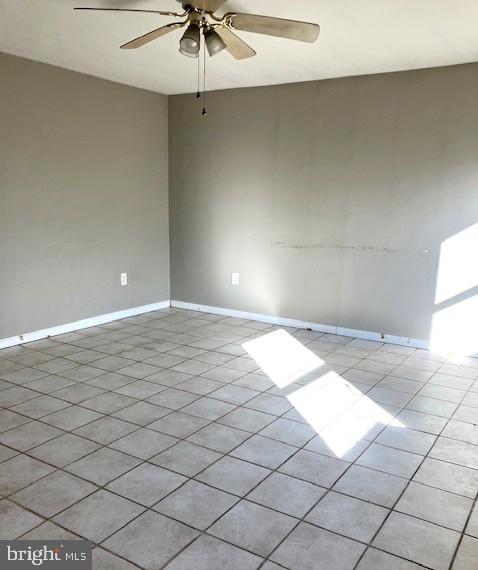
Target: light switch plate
(235, 278)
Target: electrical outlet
(235, 278)
(124, 279)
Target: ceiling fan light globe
(190, 43)
(214, 43)
(193, 55)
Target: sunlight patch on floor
(339, 412)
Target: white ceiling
(357, 37)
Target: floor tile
(467, 554)
(63, 450)
(98, 516)
(315, 468)
(19, 471)
(108, 403)
(49, 531)
(53, 493)
(253, 527)
(348, 516)
(419, 541)
(186, 458)
(144, 443)
(6, 453)
(103, 465)
(233, 475)
(454, 451)
(151, 540)
(448, 477)
(209, 553)
(82, 373)
(432, 406)
(39, 407)
(169, 378)
(461, 431)
(9, 420)
(71, 418)
(254, 382)
(173, 399)
(103, 560)
(288, 431)
(223, 374)
(248, 420)
(29, 435)
(196, 504)
(263, 451)
(140, 389)
(442, 393)
(389, 460)
(208, 408)
(178, 424)
(139, 370)
(312, 548)
(112, 363)
(200, 386)
(16, 395)
(219, 437)
(109, 381)
(472, 527)
(286, 494)
(105, 430)
(436, 506)
(142, 413)
(234, 394)
(56, 365)
(335, 443)
(422, 422)
(269, 404)
(15, 521)
(406, 439)
(146, 484)
(377, 560)
(370, 485)
(77, 393)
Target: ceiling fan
(218, 32)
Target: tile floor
(163, 442)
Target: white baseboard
(83, 324)
(365, 335)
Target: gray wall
(83, 196)
(331, 198)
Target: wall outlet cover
(235, 278)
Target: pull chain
(204, 109)
(198, 93)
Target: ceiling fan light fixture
(214, 43)
(190, 43)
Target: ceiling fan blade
(208, 5)
(290, 29)
(234, 45)
(131, 10)
(150, 36)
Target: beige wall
(331, 198)
(83, 196)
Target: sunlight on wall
(458, 270)
(455, 326)
(455, 329)
(339, 413)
